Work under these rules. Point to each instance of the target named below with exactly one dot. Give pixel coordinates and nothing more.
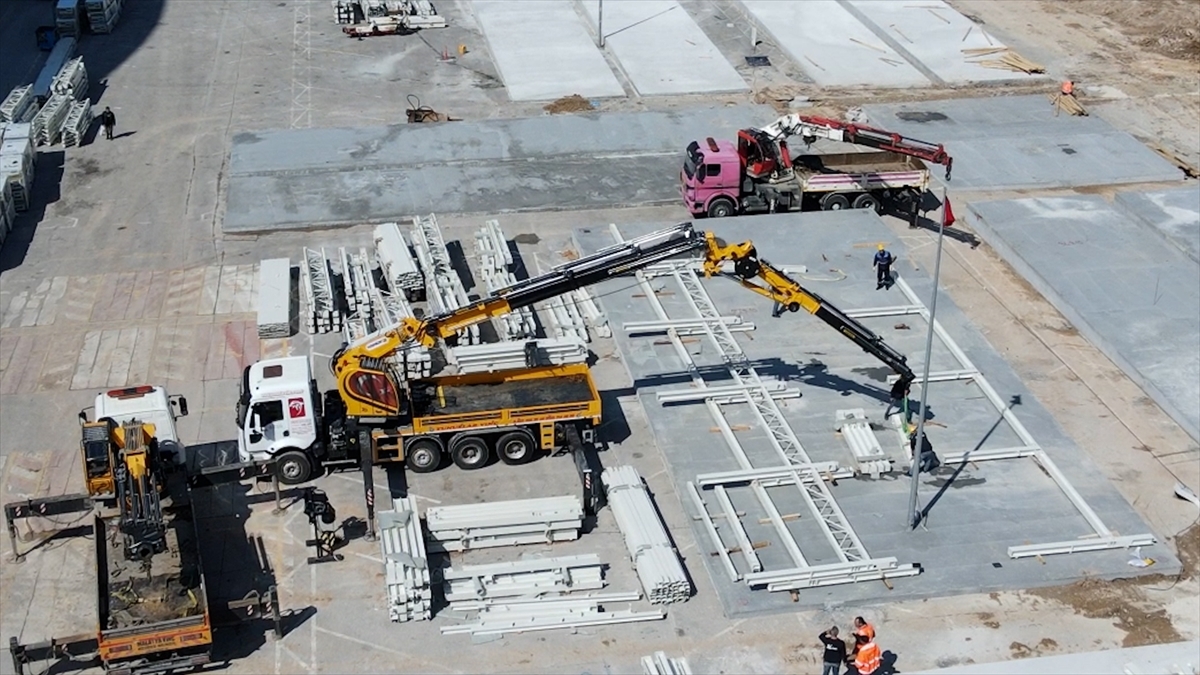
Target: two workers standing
(864, 655)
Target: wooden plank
(118, 372)
(208, 292)
(86, 359)
(137, 300)
(143, 353)
(98, 377)
(58, 290)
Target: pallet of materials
(102, 15)
(524, 521)
(654, 557)
(533, 577)
(20, 105)
(79, 120)
(399, 268)
(47, 124)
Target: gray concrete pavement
(1129, 291)
(1175, 214)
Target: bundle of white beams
(399, 269)
(72, 80)
(868, 454)
(79, 120)
(569, 612)
(533, 577)
(275, 298)
(442, 286)
(405, 563)
(19, 106)
(488, 358)
(103, 14)
(324, 314)
(495, 266)
(524, 521)
(658, 568)
(47, 124)
(660, 664)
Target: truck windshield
(243, 402)
(692, 158)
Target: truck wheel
(469, 452)
(423, 454)
(866, 201)
(293, 467)
(516, 447)
(834, 202)
(720, 208)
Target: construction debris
(660, 664)
(654, 558)
(534, 577)
(406, 565)
(569, 104)
(1067, 103)
(523, 521)
(275, 298)
(1007, 60)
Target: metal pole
(600, 25)
(915, 470)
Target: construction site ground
(124, 276)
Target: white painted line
(87, 356)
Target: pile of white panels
(62, 52)
(79, 120)
(654, 558)
(495, 266)
(660, 664)
(72, 80)
(523, 578)
(8, 213)
(17, 159)
(324, 311)
(868, 454)
(48, 123)
(442, 286)
(275, 298)
(399, 269)
(405, 564)
(103, 14)
(489, 358)
(523, 521)
(568, 611)
(20, 105)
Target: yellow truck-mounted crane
(377, 413)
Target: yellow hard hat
(880, 247)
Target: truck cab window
(268, 412)
(712, 169)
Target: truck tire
(834, 202)
(293, 467)
(721, 208)
(422, 454)
(866, 201)
(516, 447)
(469, 452)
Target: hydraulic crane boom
(368, 353)
(810, 128)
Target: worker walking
(108, 120)
(883, 268)
(867, 658)
(835, 652)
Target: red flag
(947, 213)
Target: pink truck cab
(710, 181)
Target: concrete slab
(301, 178)
(964, 547)
(1130, 293)
(661, 49)
(1015, 142)
(832, 46)
(1179, 657)
(932, 35)
(543, 50)
(1173, 213)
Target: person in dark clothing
(108, 120)
(883, 268)
(928, 460)
(835, 652)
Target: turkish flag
(947, 213)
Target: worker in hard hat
(883, 267)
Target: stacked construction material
(72, 80)
(62, 52)
(16, 165)
(654, 558)
(324, 313)
(48, 123)
(79, 120)
(411, 14)
(275, 298)
(660, 664)
(405, 563)
(442, 286)
(19, 106)
(66, 17)
(495, 265)
(523, 521)
(103, 14)
(399, 269)
(568, 611)
(523, 578)
(1003, 59)
(8, 213)
(489, 358)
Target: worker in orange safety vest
(867, 657)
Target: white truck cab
(276, 412)
(147, 404)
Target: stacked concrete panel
(72, 80)
(79, 120)
(654, 558)
(524, 521)
(405, 563)
(48, 123)
(20, 105)
(523, 578)
(62, 52)
(103, 14)
(275, 298)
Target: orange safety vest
(1068, 88)
(867, 629)
(868, 658)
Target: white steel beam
(714, 537)
(1081, 545)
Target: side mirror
(83, 417)
(255, 436)
(183, 407)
